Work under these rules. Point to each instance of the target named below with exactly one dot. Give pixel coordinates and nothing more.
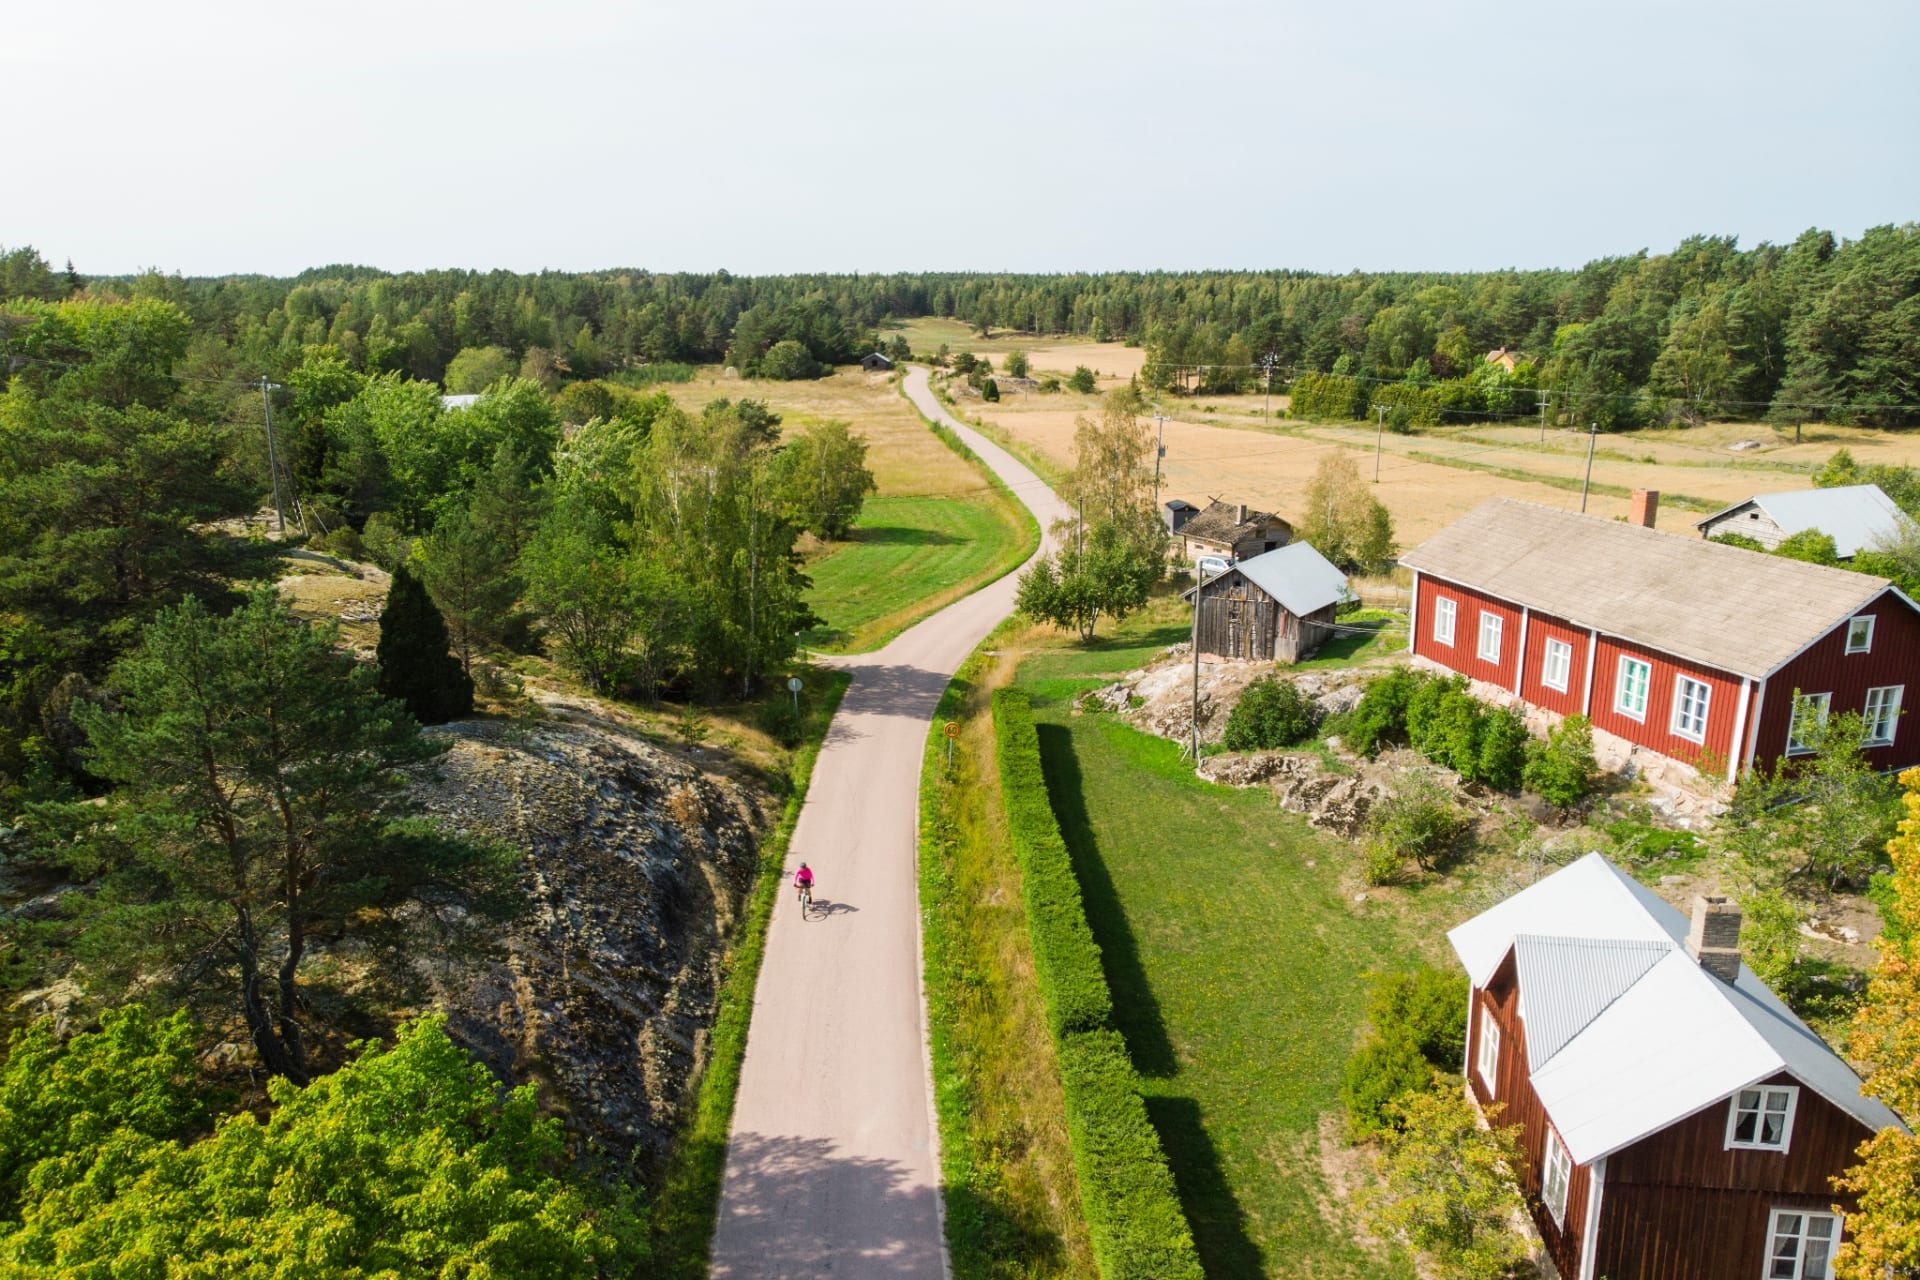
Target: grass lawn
(1238, 961)
(906, 558)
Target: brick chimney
(1714, 939)
(1241, 517)
(1646, 506)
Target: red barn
(1683, 647)
(1677, 1121)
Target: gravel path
(833, 1168)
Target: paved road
(832, 1169)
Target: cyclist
(803, 885)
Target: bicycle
(806, 900)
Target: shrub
(1429, 1007)
(1126, 1189)
(1503, 748)
(1127, 1193)
(788, 361)
(780, 721)
(1447, 1186)
(1562, 770)
(1017, 363)
(1419, 823)
(1271, 714)
(1329, 396)
(1385, 1068)
(1740, 540)
(1049, 386)
(1379, 719)
(1066, 958)
(1452, 735)
(1081, 380)
(989, 390)
(417, 665)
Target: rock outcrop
(636, 867)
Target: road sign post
(952, 731)
(794, 686)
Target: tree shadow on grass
(902, 535)
(1136, 1014)
(1219, 1226)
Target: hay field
(1051, 353)
(907, 460)
(1236, 455)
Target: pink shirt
(804, 876)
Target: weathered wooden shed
(874, 362)
(1276, 607)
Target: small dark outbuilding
(1277, 607)
(874, 362)
(1176, 513)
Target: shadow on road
(795, 1207)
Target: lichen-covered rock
(636, 868)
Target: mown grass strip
(1127, 1190)
(1683, 501)
(1006, 1159)
(689, 1199)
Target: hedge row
(1066, 959)
(1126, 1189)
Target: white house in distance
(1856, 517)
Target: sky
(211, 137)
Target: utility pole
(1379, 437)
(1267, 408)
(273, 455)
(1159, 452)
(1593, 436)
(1543, 422)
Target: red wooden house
(1677, 1121)
(1679, 646)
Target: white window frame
(1444, 609)
(1866, 640)
(1487, 616)
(1797, 1260)
(1891, 712)
(1564, 652)
(1486, 1058)
(1680, 686)
(1824, 702)
(1620, 703)
(1556, 1174)
(1759, 1111)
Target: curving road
(832, 1167)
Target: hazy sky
(214, 137)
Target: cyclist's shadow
(824, 908)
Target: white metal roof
(1296, 575)
(1633, 1034)
(460, 402)
(1855, 516)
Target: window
(1690, 698)
(1556, 1171)
(1800, 1245)
(1487, 1060)
(1761, 1118)
(1557, 665)
(1489, 636)
(1809, 716)
(1860, 634)
(1883, 708)
(1443, 620)
(1630, 695)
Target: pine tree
(416, 665)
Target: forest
(1819, 329)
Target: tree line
(1819, 328)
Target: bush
(780, 721)
(1419, 823)
(1066, 958)
(1380, 717)
(1017, 363)
(1127, 1192)
(1271, 714)
(1081, 380)
(1447, 1186)
(1562, 769)
(1503, 748)
(788, 361)
(1329, 396)
(1383, 1070)
(1126, 1189)
(1429, 1007)
(989, 390)
(1049, 386)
